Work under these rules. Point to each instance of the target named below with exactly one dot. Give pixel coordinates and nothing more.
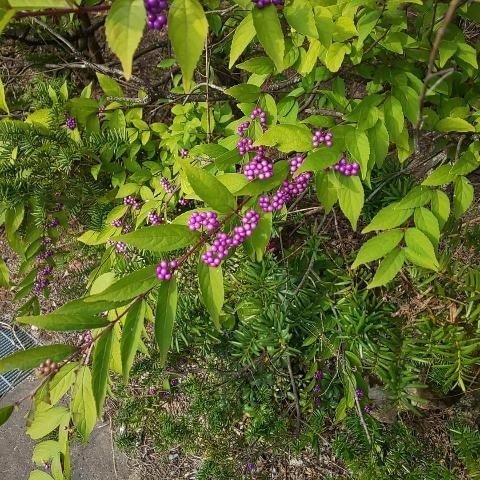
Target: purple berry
(71, 123)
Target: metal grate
(13, 339)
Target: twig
(295, 396)
(324, 111)
(55, 12)
(207, 78)
(431, 61)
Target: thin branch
(431, 61)
(56, 12)
(295, 396)
(324, 111)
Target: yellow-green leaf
(187, 30)
(124, 29)
(269, 32)
(244, 34)
(378, 247)
(388, 268)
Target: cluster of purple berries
(183, 202)
(154, 218)
(296, 161)
(156, 13)
(168, 187)
(70, 123)
(46, 241)
(322, 136)
(165, 269)
(259, 167)
(86, 338)
(53, 223)
(259, 113)
(242, 128)
(318, 375)
(207, 220)
(245, 145)
(223, 242)
(132, 202)
(288, 191)
(346, 168)
(42, 281)
(127, 228)
(121, 247)
(46, 254)
(183, 152)
(117, 223)
(264, 3)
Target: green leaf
(124, 29)
(5, 19)
(269, 33)
(257, 243)
(394, 120)
(454, 124)
(100, 363)
(326, 186)
(320, 159)
(462, 197)
(211, 288)
(84, 412)
(109, 86)
(165, 317)
(131, 335)
(128, 287)
(209, 189)
(61, 382)
(287, 138)
(388, 217)
(45, 451)
(299, 15)
(446, 51)
(351, 198)
(440, 207)
(416, 197)
(388, 268)
(357, 144)
(341, 410)
(467, 163)
(440, 176)
(3, 102)
(14, 218)
(378, 247)
(5, 413)
(245, 92)
(187, 30)
(39, 475)
(92, 237)
(45, 421)
(38, 4)
(258, 65)
(335, 55)
(410, 103)
(33, 357)
(58, 322)
(427, 222)
(4, 274)
(379, 142)
(160, 238)
(244, 34)
(420, 250)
